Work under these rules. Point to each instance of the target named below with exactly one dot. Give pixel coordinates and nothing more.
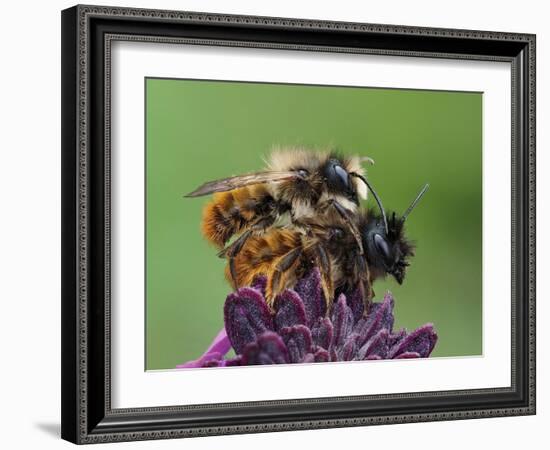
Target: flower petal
(321, 355)
(377, 345)
(310, 290)
(356, 303)
(236, 361)
(260, 283)
(220, 343)
(322, 332)
(246, 317)
(214, 363)
(298, 342)
(395, 338)
(408, 355)
(219, 346)
(349, 349)
(380, 316)
(421, 341)
(289, 310)
(211, 359)
(268, 349)
(342, 321)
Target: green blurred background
(198, 131)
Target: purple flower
(213, 355)
(299, 330)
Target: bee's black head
(384, 241)
(387, 251)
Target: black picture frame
(87, 416)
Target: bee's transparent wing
(228, 184)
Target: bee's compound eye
(343, 176)
(382, 247)
(303, 173)
(336, 176)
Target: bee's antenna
(367, 159)
(414, 203)
(382, 210)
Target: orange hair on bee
(261, 255)
(216, 225)
(229, 213)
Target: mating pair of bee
(302, 212)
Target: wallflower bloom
(299, 330)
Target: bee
(284, 255)
(297, 187)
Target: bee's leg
(233, 272)
(232, 250)
(257, 227)
(363, 279)
(344, 213)
(236, 246)
(326, 273)
(368, 294)
(283, 265)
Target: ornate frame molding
(86, 210)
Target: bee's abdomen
(231, 212)
(261, 254)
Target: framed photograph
(280, 224)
